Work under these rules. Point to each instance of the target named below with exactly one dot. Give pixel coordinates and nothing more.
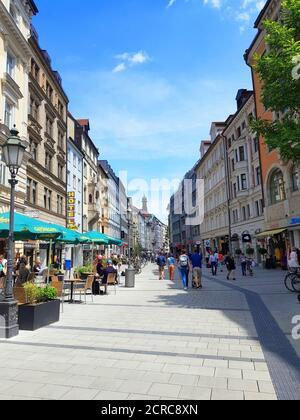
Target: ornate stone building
(15, 53)
(47, 135)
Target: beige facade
(211, 168)
(15, 21)
(47, 134)
(103, 188)
(244, 173)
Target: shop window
(277, 187)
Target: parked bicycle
(292, 280)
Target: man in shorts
(196, 262)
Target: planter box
(33, 317)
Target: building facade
(244, 176)
(47, 134)
(281, 189)
(212, 169)
(15, 54)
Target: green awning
(27, 228)
(97, 238)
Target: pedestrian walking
(196, 262)
(244, 264)
(214, 261)
(171, 265)
(231, 266)
(161, 262)
(184, 269)
(221, 261)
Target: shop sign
(71, 211)
(295, 221)
(207, 243)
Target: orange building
(280, 179)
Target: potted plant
(42, 307)
(84, 271)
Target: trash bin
(130, 277)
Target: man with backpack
(184, 269)
(161, 262)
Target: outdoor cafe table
(72, 282)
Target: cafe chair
(62, 291)
(112, 281)
(85, 287)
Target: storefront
(294, 231)
(277, 243)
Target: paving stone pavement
(228, 341)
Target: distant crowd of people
(193, 263)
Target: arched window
(277, 187)
(90, 199)
(295, 178)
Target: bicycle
(292, 280)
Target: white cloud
(130, 60)
(240, 11)
(170, 4)
(119, 68)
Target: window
(35, 70)
(49, 126)
(242, 153)
(8, 114)
(255, 144)
(248, 211)
(61, 138)
(295, 179)
(277, 187)
(244, 181)
(47, 199)
(69, 154)
(60, 109)
(60, 171)
(234, 190)
(85, 170)
(236, 156)
(34, 109)
(48, 161)
(79, 185)
(74, 182)
(31, 191)
(85, 195)
(239, 132)
(49, 91)
(74, 160)
(258, 176)
(10, 65)
(34, 150)
(69, 178)
(60, 204)
(243, 125)
(244, 213)
(233, 165)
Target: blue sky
(151, 75)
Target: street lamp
(130, 272)
(13, 152)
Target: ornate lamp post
(13, 152)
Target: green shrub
(35, 294)
(31, 292)
(46, 294)
(88, 268)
